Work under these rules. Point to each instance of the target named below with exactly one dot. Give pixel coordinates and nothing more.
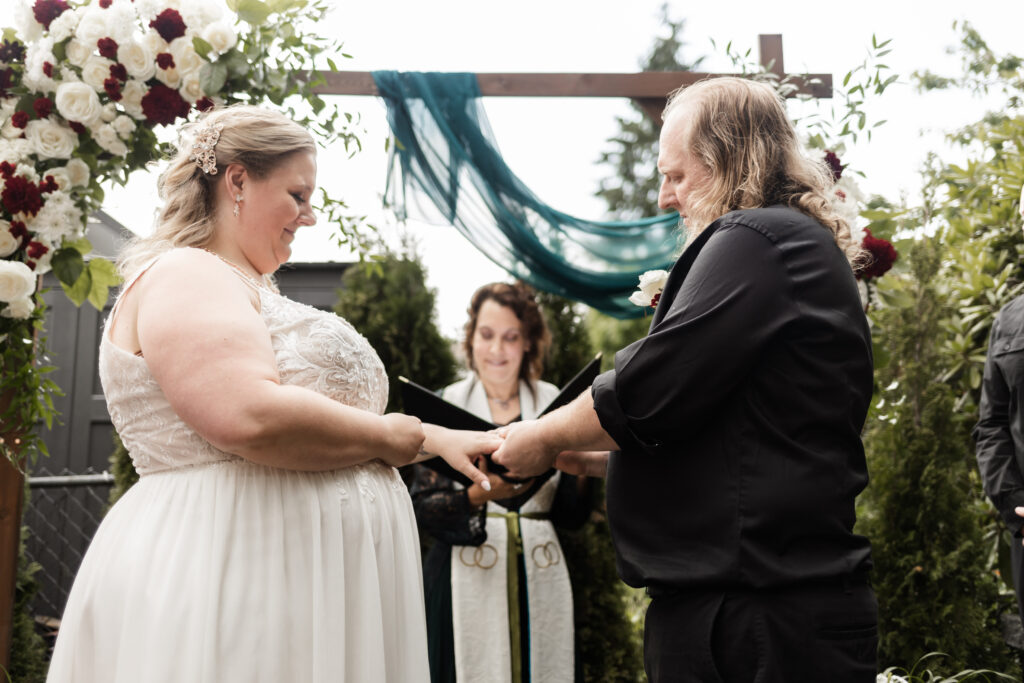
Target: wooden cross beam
(649, 89)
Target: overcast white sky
(553, 144)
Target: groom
(735, 424)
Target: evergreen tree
(28, 649)
(389, 303)
(921, 512)
(570, 348)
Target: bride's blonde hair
(738, 129)
(258, 139)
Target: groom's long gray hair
(738, 129)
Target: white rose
(124, 125)
(78, 52)
(8, 242)
(138, 59)
(76, 101)
(131, 97)
(190, 89)
(50, 139)
(154, 41)
(9, 131)
(78, 172)
(186, 60)
(95, 71)
(19, 308)
(60, 176)
(169, 77)
(107, 138)
(221, 36)
(16, 281)
(651, 284)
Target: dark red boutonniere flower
(169, 25)
(45, 11)
(21, 195)
(882, 256)
(163, 105)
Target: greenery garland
(84, 89)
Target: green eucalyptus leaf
(212, 77)
(254, 12)
(202, 48)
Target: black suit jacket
(739, 415)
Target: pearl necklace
(261, 284)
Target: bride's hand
(460, 449)
(405, 437)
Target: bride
(269, 537)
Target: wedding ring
(517, 486)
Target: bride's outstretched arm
(460, 449)
(201, 334)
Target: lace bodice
(313, 349)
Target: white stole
(480, 607)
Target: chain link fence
(62, 514)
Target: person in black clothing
(999, 434)
(736, 422)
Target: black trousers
(813, 633)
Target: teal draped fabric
(444, 151)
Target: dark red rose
(107, 47)
(205, 104)
(45, 11)
(169, 25)
(36, 250)
(48, 69)
(113, 88)
(21, 196)
(881, 257)
(7, 169)
(43, 107)
(19, 119)
(19, 230)
(49, 184)
(165, 60)
(833, 164)
(105, 4)
(163, 105)
(77, 127)
(11, 52)
(119, 72)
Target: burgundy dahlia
(165, 60)
(833, 165)
(163, 105)
(107, 47)
(21, 195)
(45, 11)
(882, 256)
(43, 107)
(11, 52)
(169, 25)
(19, 119)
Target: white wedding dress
(212, 569)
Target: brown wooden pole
(12, 491)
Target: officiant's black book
(431, 408)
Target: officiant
(498, 598)
(736, 421)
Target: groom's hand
(525, 452)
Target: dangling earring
(238, 204)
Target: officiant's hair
(259, 139)
(519, 298)
(738, 129)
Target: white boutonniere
(649, 291)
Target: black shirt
(1000, 429)
(739, 415)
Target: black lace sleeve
(443, 510)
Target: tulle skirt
(233, 571)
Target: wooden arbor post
(12, 491)
(650, 89)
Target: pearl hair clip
(202, 148)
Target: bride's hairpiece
(202, 147)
